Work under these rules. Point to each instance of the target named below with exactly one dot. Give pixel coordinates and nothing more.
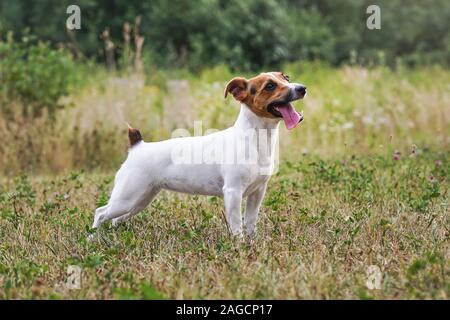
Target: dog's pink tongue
(290, 116)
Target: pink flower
(438, 163)
(396, 155)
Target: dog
(150, 167)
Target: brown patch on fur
(134, 135)
(252, 92)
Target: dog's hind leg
(98, 212)
(115, 209)
(141, 207)
(119, 207)
(131, 193)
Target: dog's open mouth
(286, 111)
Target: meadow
(362, 182)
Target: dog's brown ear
(237, 87)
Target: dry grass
(347, 110)
(339, 204)
(322, 225)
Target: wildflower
(410, 124)
(368, 120)
(347, 125)
(357, 113)
(396, 155)
(336, 102)
(438, 163)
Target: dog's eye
(270, 86)
(286, 77)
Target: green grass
(323, 223)
(347, 110)
(363, 182)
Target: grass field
(363, 185)
(323, 224)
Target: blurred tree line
(246, 34)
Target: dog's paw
(238, 236)
(91, 237)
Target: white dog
(235, 163)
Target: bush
(251, 34)
(274, 35)
(35, 75)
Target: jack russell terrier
(153, 166)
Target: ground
(353, 227)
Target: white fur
(150, 167)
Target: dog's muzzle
(283, 108)
(300, 90)
(296, 92)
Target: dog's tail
(134, 135)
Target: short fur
(150, 167)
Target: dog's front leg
(254, 201)
(233, 200)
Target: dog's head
(269, 95)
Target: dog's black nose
(300, 89)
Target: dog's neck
(264, 137)
(248, 120)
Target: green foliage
(248, 34)
(34, 74)
(145, 292)
(415, 32)
(316, 230)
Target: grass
(323, 223)
(347, 110)
(363, 185)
